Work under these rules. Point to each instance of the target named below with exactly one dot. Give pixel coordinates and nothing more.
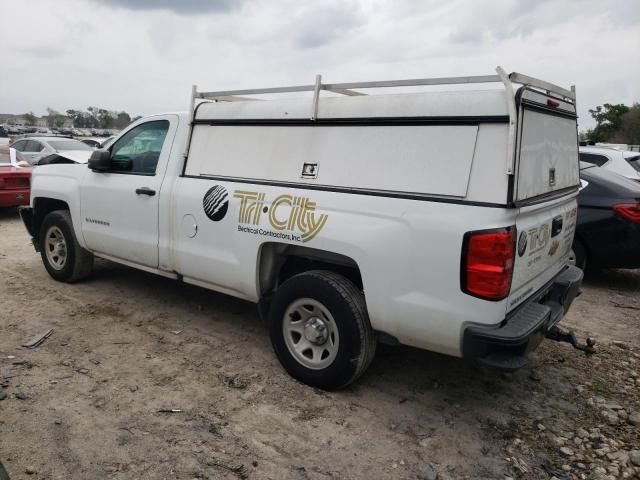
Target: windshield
(68, 145)
(634, 162)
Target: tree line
(92, 117)
(95, 117)
(615, 124)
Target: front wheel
(320, 329)
(63, 257)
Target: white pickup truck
(440, 220)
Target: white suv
(610, 158)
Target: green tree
(122, 120)
(54, 118)
(629, 130)
(76, 118)
(105, 118)
(608, 119)
(30, 118)
(92, 117)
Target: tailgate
(545, 236)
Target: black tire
(78, 262)
(346, 304)
(580, 255)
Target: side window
(33, 146)
(20, 145)
(138, 151)
(594, 159)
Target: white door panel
(120, 208)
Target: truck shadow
(8, 213)
(624, 280)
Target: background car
(608, 228)
(91, 142)
(610, 159)
(632, 158)
(107, 143)
(34, 149)
(15, 183)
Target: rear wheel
(63, 257)
(320, 329)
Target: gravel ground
(95, 399)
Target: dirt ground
(87, 403)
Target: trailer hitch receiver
(559, 335)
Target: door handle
(145, 191)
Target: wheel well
(41, 208)
(279, 262)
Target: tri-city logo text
(292, 217)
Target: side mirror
(100, 161)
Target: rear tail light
(16, 182)
(487, 263)
(629, 211)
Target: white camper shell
(441, 220)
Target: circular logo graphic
(216, 203)
(522, 243)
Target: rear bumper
(506, 345)
(14, 198)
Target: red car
(15, 185)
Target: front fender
(60, 183)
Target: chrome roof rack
(349, 88)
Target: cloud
(42, 51)
(181, 7)
(143, 56)
(324, 23)
(469, 35)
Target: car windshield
(68, 145)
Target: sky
(142, 56)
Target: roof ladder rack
(350, 89)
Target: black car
(608, 229)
